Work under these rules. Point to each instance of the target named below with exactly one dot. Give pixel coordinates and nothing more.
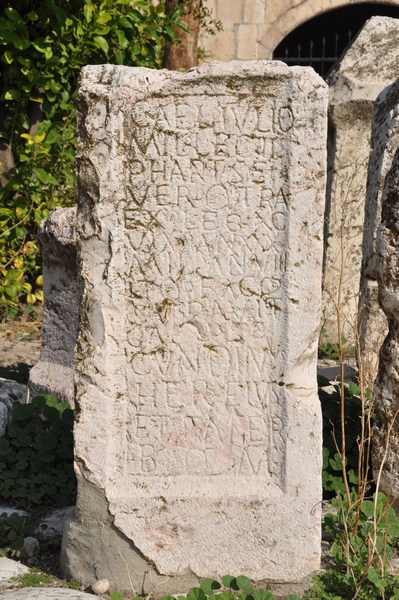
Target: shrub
(36, 454)
(43, 46)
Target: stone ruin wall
(201, 198)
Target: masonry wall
(254, 28)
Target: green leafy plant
(36, 454)
(44, 44)
(363, 534)
(329, 349)
(13, 529)
(330, 399)
(231, 588)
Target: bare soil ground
(19, 349)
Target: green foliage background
(43, 45)
(36, 454)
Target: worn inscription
(205, 216)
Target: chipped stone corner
(94, 548)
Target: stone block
(230, 13)
(386, 267)
(247, 41)
(53, 374)
(200, 215)
(368, 66)
(222, 46)
(274, 10)
(254, 11)
(10, 392)
(373, 326)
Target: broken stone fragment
(53, 374)
(10, 392)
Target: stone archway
(320, 41)
(254, 28)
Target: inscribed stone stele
(200, 217)
(365, 69)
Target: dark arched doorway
(320, 41)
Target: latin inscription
(205, 220)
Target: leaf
(44, 177)
(46, 441)
(13, 15)
(353, 388)
(136, 16)
(373, 576)
(122, 41)
(30, 298)
(230, 582)
(39, 137)
(367, 508)
(11, 291)
(52, 136)
(209, 584)
(22, 412)
(116, 596)
(24, 440)
(226, 596)
(196, 594)
(8, 57)
(170, 31)
(102, 43)
(11, 95)
(244, 584)
(21, 43)
(88, 12)
(292, 597)
(263, 595)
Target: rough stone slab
(53, 374)
(368, 66)
(385, 445)
(10, 392)
(44, 594)
(9, 511)
(201, 202)
(55, 522)
(10, 568)
(373, 325)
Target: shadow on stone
(18, 372)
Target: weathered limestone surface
(10, 392)
(198, 440)
(373, 325)
(366, 69)
(53, 374)
(386, 267)
(10, 568)
(44, 594)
